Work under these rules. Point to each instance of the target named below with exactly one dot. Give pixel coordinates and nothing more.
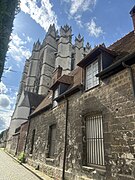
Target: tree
(8, 10)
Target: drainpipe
(131, 76)
(65, 144)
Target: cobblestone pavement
(12, 170)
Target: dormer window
(91, 80)
(97, 60)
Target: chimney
(132, 13)
(56, 74)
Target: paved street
(12, 170)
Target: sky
(98, 21)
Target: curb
(23, 165)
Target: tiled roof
(31, 99)
(124, 46)
(46, 102)
(66, 79)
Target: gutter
(131, 76)
(65, 144)
(69, 92)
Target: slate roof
(47, 102)
(65, 79)
(124, 46)
(31, 99)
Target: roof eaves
(69, 92)
(41, 110)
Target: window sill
(94, 168)
(86, 90)
(50, 160)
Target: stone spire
(87, 49)
(47, 56)
(36, 46)
(33, 68)
(79, 51)
(52, 32)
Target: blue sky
(99, 21)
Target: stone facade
(114, 99)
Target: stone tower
(23, 80)
(33, 68)
(63, 57)
(47, 56)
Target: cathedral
(56, 51)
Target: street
(12, 170)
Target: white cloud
(17, 49)
(5, 118)
(93, 29)
(4, 100)
(80, 5)
(7, 104)
(3, 88)
(43, 15)
(78, 20)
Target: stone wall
(114, 99)
(22, 137)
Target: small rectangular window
(32, 141)
(91, 79)
(55, 95)
(51, 140)
(94, 140)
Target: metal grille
(94, 137)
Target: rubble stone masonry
(114, 99)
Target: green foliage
(21, 157)
(8, 10)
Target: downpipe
(65, 140)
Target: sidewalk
(38, 173)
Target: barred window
(51, 140)
(32, 141)
(94, 140)
(91, 79)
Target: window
(91, 79)
(51, 140)
(32, 141)
(55, 95)
(94, 140)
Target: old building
(85, 126)
(56, 50)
